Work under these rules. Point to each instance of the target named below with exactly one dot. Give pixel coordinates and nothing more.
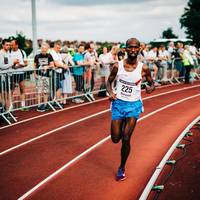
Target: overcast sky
(98, 20)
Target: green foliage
(190, 20)
(24, 44)
(168, 33)
(105, 44)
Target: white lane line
(93, 147)
(77, 121)
(57, 111)
(162, 163)
(171, 91)
(51, 113)
(52, 131)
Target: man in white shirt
(151, 58)
(193, 51)
(59, 66)
(18, 56)
(171, 48)
(91, 58)
(5, 65)
(163, 56)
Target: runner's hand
(112, 96)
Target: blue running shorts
(123, 109)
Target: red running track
(92, 177)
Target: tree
(24, 44)
(190, 21)
(105, 44)
(168, 33)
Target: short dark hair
(87, 46)
(81, 45)
(58, 42)
(51, 44)
(16, 42)
(4, 41)
(132, 39)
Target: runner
(126, 100)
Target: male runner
(126, 100)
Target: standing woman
(67, 81)
(105, 60)
(114, 52)
(126, 100)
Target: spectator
(91, 58)
(194, 53)
(163, 56)
(171, 48)
(67, 81)
(58, 77)
(122, 52)
(105, 59)
(43, 62)
(78, 73)
(19, 57)
(143, 55)
(5, 65)
(114, 52)
(177, 55)
(151, 60)
(188, 63)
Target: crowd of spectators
(57, 66)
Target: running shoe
(77, 100)
(41, 108)
(120, 175)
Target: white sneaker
(77, 100)
(81, 100)
(73, 100)
(157, 84)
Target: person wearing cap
(122, 52)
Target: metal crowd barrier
(37, 87)
(168, 73)
(23, 89)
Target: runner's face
(132, 49)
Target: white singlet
(129, 83)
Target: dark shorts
(124, 109)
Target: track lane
(23, 117)
(51, 152)
(98, 168)
(26, 131)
